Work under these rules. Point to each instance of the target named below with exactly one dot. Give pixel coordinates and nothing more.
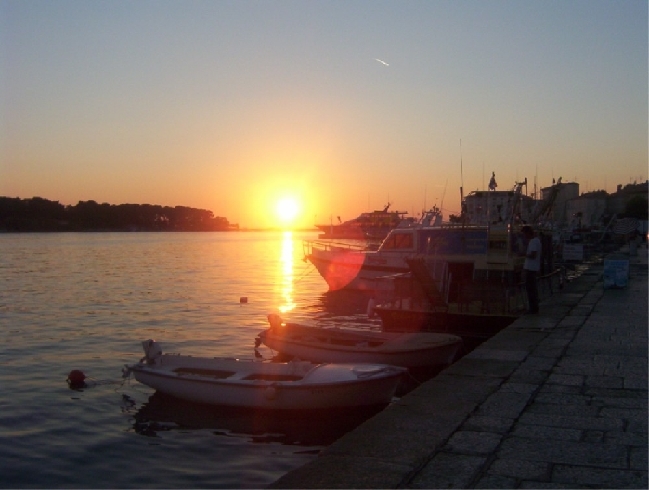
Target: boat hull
(465, 325)
(361, 269)
(351, 269)
(346, 346)
(274, 386)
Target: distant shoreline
(239, 230)
(36, 215)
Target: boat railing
(482, 296)
(331, 246)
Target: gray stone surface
(600, 477)
(448, 471)
(521, 469)
(572, 422)
(566, 452)
(541, 432)
(497, 425)
(474, 443)
(496, 481)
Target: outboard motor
(152, 351)
(274, 320)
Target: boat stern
(152, 352)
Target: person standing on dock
(531, 268)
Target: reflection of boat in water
(344, 345)
(372, 225)
(295, 385)
(163, 413)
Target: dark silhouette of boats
(374, 225)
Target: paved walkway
(557, 400)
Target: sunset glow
(301, 123)
(287, 210)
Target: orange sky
(233, 106)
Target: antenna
(441, 206)
(425, 190)
(461, 176)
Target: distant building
(559, 213)
(487, 207)
(594, 208)
(587, 210)
(617, 201)
(566, 207)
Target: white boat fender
(370, 308)
(270, 392)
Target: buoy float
(76, 378)
(243, 299)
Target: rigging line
(305, 273)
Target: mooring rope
(305, 273)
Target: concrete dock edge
(555, 400)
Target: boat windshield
(398, 241)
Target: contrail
(381, 61)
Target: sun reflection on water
(286, 264)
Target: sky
(342, 105)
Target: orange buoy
(76, 377)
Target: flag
(492, 182)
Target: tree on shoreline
(38, 214)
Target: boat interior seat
(212, 373)
(272, 377)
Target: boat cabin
(437, 240)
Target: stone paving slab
(557, 400)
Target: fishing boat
(294, 385)
(462, 248)
(374, 225)
(340, 345)
(467, 250)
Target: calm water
(86, 301)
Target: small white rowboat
(419, 349)
(265, 385)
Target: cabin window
(398, 241)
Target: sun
(287, 210)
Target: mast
(461, 179)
